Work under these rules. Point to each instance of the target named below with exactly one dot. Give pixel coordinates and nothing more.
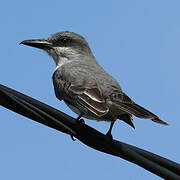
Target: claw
(79, 119)
(109, 136)
(72, 137)
(82, 121)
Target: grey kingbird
(84, 85)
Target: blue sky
(137, 42)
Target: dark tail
(138, 111)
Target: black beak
(38, 43)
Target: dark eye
(61, 41)
(65, 40)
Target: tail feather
(157, 120)
(138, 111)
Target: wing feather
(91, 98)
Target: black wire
(62, 122)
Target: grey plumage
(84, 85)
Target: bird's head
(62, 45)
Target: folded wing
(91, 98)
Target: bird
(85, 87)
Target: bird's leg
(72, 137)
(78, 120)
(108, 134)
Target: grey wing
(91, 98)
(74, 86)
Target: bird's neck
(66, 55)
(62, 55)
(62, 61)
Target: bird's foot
(109, 135)
(79, 120)
(72, 137)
